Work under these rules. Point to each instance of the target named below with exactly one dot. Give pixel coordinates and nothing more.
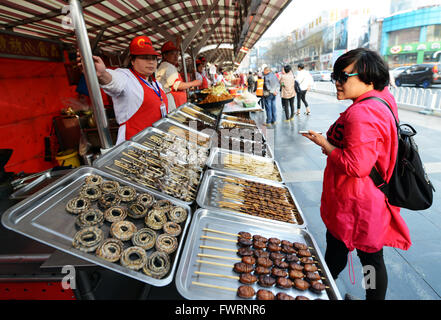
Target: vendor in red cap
(170, 78)
(200, 75)
(138, 99)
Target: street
(412, 274)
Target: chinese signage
(414, 47)
(22, 46)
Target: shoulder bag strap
(375, 175)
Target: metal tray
(43, 180)
(150, 131)
(242, 125)
(217, 156)
(236, 119)
(199, 109)
(106, 161)
(43, 217)
(217, 220)
(188, 109)
(188, 117)
(269, 152)
(208, 197)
(166, 125)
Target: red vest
(180, 96)
(148, 113)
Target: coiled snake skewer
(88, 239)
(144, 238)
(110, 250)
(158, 265)
(166, 243)
(133, 258)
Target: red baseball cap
(198, 61)
(142, 45)
(169, 46)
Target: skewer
(215, 263)
(213, 286)
(216, 238)
(202, 255)
(217, 275)
(217, 248)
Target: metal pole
(90, 74)
(183, 63)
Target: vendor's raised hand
(103, 76)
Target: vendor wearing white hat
(170, 78)
(138, 99)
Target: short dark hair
(287, 68)
(370, 66)
(301, 66)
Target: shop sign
(13, 45)
(414, 47)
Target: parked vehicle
(423, 75)
(322, 75)
(395, 72)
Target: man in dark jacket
(251, 82)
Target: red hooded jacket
(353, 209)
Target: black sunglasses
(341, 77)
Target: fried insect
(301, 284)
(245, 292)
(266, 281)
(284, 283)
(247, 278)
(245, 235)
(264, 262)
(245, 252)
(249, 260)
(264, 295)
(241, 267)
(276, 272)
(284, 296)
(262, 270)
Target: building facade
(412, 37)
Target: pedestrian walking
(287, 93)
(305, 82)
(271, 89)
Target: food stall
(190, 204)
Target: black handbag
(409, 186)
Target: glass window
(434, 32)
(428, 57)
(404, 36)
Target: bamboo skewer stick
(215, 263)
(216, 238)
(217, 275)
(217, 248)
(213, 286)
(202, 255)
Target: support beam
(90, 74)
(190, 36)
(211, 56)
(95, 41)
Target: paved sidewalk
(412, 274)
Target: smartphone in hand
(306, 132)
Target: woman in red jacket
(356, 213)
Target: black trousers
(336, 258)
(301, 96)
(288, 104)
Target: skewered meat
(274, 241)
(244, 242)
(259, 245)
(280, 264)
(288, 249)
(279, 272)
(302, 298)
(266, 281)
(306, 260)
(284, 283)
(262, 270)
(245, 235)
(295, 266)
(310, 267)
(247, 278)
(245, 292)
(259, 253)
(249, 260)
(264, 262)
(292, 258)
(287, 243)
(301, 284)
(300, 246)
(296, 274)
(245, 252)
(312, 276)
(241, 267)
(284, 296)
(257, 237)
(276, 255)
(265, 295)
(317, 287)
(274, 247)
(304, 253)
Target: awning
(200, 23)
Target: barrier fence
(418, 99)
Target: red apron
(204, 83)
(180, 96)
(149, 111)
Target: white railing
(413, 98)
